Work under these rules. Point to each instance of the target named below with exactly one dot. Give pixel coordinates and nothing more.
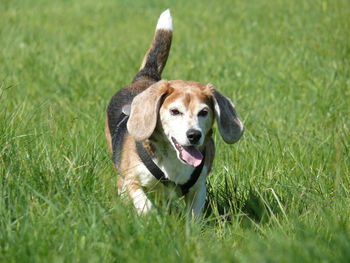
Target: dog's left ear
(230, 126)
(144, 110)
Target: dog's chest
(173, 169)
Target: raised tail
(155, 59)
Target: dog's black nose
(193, 135)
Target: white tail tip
(165, 21)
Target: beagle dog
(159, 131)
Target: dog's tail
(155, 59)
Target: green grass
(281, 194)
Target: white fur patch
(141, 202)
(165, 21)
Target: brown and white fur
(173, 120)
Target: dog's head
(185, 111)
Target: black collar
(157, 173)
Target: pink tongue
(192, 156)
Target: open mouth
(188, 154)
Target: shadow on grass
(250, 208)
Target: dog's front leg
(139, 198)
(195, 199)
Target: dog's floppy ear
(144, 111)
(230, 126)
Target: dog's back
(149, 73)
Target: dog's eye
(175, 112)
(203, 113)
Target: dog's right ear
(144, 110)
(230, 126)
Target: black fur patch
(157, 56)
(116, 117)
(117, 121)
(149, 74)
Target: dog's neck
(165, 157)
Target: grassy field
(281, 194)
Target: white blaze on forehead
(187, 103)
(178, 105)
